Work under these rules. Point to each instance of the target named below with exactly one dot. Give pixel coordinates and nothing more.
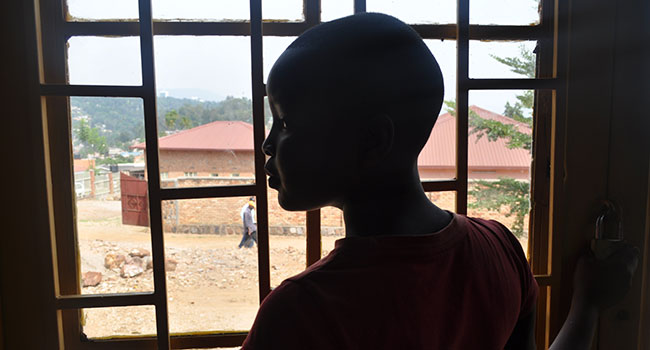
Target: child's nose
(267, 147)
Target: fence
(89, 185)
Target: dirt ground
(214, 285)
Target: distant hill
(121, 120)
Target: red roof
(440, 149)
(215, 136)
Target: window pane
(504, 12)
(104, 61)
(204, 111)
(333, 9)
(499, 158)
(282, 9)
(201, 10)
(287, 241)
(102, 9)
(119, 321)
(111, 195)
(416, 11)
(212, 284)
(494, 59)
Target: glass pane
(499, 158)
(104, 61)
(212, 284)
(111, 189)
(102, 9)
(287, 241)
(282, 9)
(119, 321)
(333, 9)
(416, 11)
(494, 59)
(211, 10)
(504, 12)
(204, 111)
(332, 228)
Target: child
(353, 102)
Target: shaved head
(363, 65)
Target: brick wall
(204, 163)
(222, 215)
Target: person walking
(249, 234)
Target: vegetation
(121, 120)
(90, 139)
(506, 193)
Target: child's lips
(274, 182)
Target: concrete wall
(222, 215)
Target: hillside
(121, 120)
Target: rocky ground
(211, 284)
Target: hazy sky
(216, 67)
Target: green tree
(91, 139)
(170, 119)
(507, 194)
(186, 122)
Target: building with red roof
(225, 149)
(216, 149)
(486, 159)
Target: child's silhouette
(353, 102)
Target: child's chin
(294, 203)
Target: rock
(148, 263)
(139, 253)
(131, 270)
(170, 264)
(91, 278)
(135, 261)
(114, 261)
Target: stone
(170, 264)
(139, 253)
(114, 260)
(131, 270)
(148, 263)
(91, 278)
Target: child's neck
(393, 209)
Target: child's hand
(603, 283)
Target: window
(163, 202)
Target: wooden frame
(55, 90)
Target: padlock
(608, 231)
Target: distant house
(485, 160)
(225, 149)
(216, 149)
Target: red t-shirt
(463, 287)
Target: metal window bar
(462, 103)
(153, 169)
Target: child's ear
(377, 139)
